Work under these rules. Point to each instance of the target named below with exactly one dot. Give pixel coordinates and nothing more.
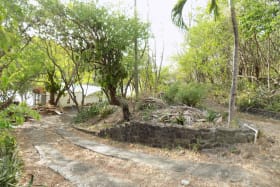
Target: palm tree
(177, 18)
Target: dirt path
(57, 155)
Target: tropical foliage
(10, 164)
(61, 46)
(207, 55)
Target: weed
(103, 109)
(195, 145)
(189, 94)
(234, 150)
(180, 119)
(211, 116)
(10, 164)
(146, 114)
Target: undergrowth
(260, 98)
(189, 94)
(101, 109)
(10, 163)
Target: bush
(188, 94)
(10, 164)
(170, 93)
(251, 100)
(16, 115)
(260, 98)
(103, 109)
(106, 110)
(211, 115)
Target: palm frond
(177, 14)
(214, 8)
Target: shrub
(106, 110)
(180, 119)
(188, 94)
(16, 115)
(246, 102)
(259, 99)
(170, 93)
(10, 164)
(211, 115)
(103, 109)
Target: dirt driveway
(57, 155)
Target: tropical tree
(93, 38)
(15, 71)
(177, 18)
(207, 53)
(259, 46)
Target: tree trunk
(114, 100)
(268, 66)
(235, 63)
(136, 79)
(125, 109)
(73, 97)
(112, 93)
(52, 98)
(60, 93)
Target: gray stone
(218, 172)
(170, 136)
(185, 182)
(79, 173)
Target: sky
(158, 12)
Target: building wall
(66, 101)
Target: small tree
(93, 39)
(178, 20)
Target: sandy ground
(260, 159)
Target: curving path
(57, 155)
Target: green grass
(101, 109)
(10, 164)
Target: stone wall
(171, 136)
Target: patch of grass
(211, 115)
(180, 119)
(234, 150)
(189, 94)
(16, 115)
(170, 93)
(10, 164)
(195, 145)
(259, 98)
(103, 109)
(146, 114)
(106, 110)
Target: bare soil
(260, 159)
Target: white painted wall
(65, 101)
